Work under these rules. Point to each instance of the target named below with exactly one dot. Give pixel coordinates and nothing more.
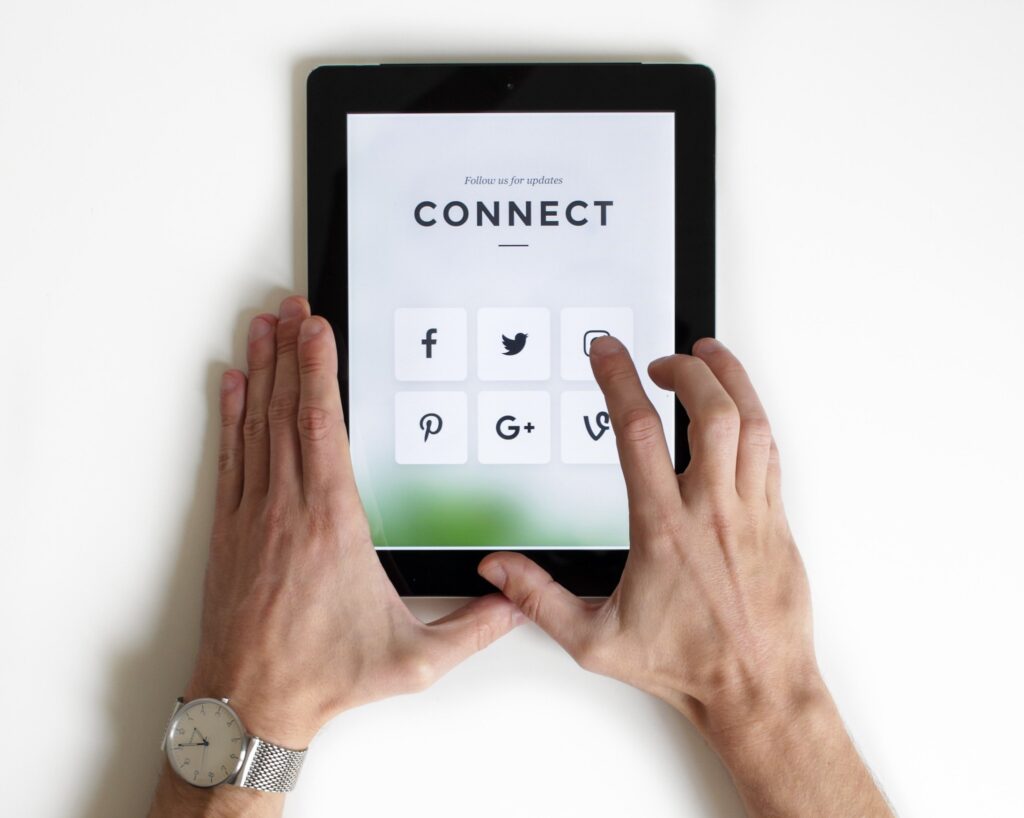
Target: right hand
(712, 613)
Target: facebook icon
(429, 341)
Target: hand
(300, 621)
(712, 613)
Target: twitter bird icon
(513, 346)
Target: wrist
(272, 716)
(738, 719)
(175, 798)
(788, 753)
(763, 720)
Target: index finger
(643, 453)
(326, 464)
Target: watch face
(206, 742)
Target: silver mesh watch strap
(270, 768)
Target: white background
(870, 268)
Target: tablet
(472, 229)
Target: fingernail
(660, 360)
(291, 308)
(706, 345)
(494, 574)
(604, 346)
(228, 382)
(310, 327)
(259, 327)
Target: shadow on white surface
(693, 771)
(142, 684)
(145, 682)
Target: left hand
(300, 622)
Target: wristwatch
(207, 745)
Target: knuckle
(320, 521)
(227, 460)
(229, 420)
(260, 354)
(531, 600)
(315, 422)
(615, 371)
(683, 366)
(720, 418)
(254, 427)
(668, 530)
(729, 369)
(758, 430)
(283, 406)
(276, 515)
(721, 522)
(689, 369)
(309, 366)
(311, 361)
(287, 343)
(640, 424)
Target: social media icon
(587, 435)
(508, 430)
(513, 346)
(431, 344)
(431, 427)
(431, 424)
(601, 422)
(580, 327)
(514, 427)
(588, 339)
(429, 340)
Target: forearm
(177, 799)
(799, 761)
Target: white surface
(870, 268)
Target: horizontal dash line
(513, 245)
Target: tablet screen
(485, 253)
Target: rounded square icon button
(430, 344)
(431, 427)
(514, 427)
(580, 326)
(513, 344)
(587, 435)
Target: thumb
(470, 629)
(561, 614)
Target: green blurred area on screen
(418, 516)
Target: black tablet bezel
(687, 90)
